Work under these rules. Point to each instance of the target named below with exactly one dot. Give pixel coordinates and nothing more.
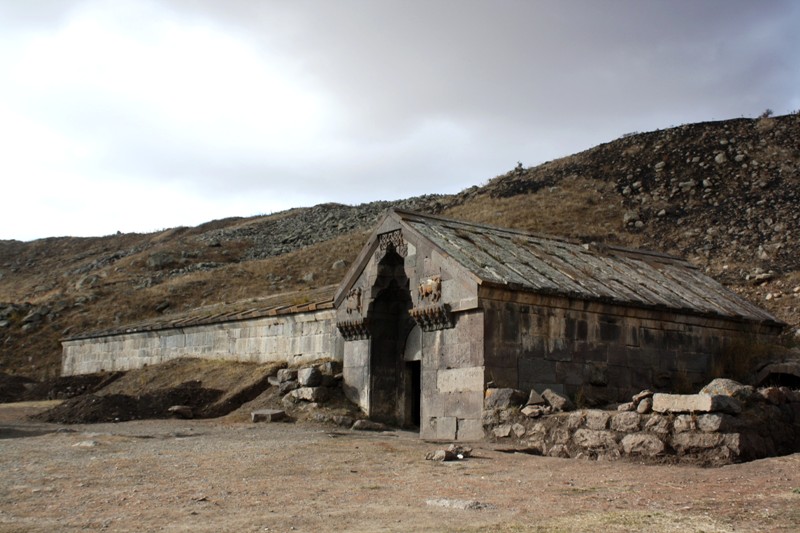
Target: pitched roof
(524, 261)
(274, 305)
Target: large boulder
(309, 377)
(504, 398)
(728, 387)
(557, 401)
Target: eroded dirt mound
(209, 388)
(13, 388)
(93, 408)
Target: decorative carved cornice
(354, 330)
(392, 240)
(432, 317)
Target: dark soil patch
(13, 388)
(92, 408)
(65, 387)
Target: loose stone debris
(268, 415)
(726, 422)
(181, 411)
(454, 452)
(471, 505)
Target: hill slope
(726, 195)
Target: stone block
(590, 439)
(536, 369)
(444, 427)
(311, 394)
(695, 403)
(596, 419)
(460, 379)
(286, 387)
(469, 429)
(534, 398)
(463, 404)
(504, 398)
(692, 442)
(717, 422)
(267, 415)
(626, 422)
(658, 424)
(683, 423)
(309, 377)
(645, 406)
(287, 374)
(503, 431)
(576, 419)
(369, 425)
(535, 411)
(557, 401)
(645, 444)
(728, 387)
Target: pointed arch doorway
(395, 384)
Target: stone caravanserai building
(435, 311)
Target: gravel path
(212, 475)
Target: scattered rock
(286, 387)
(310, 394)
(504, 398)
(502, 431)
(535, 398)
(645, 406)
(85, 444)
(268, 415)
(369, 425)
(728, 387)
(181, 411)
(309, 377)
(287, 374)
(471, 505)
(453, 452)
(535, 411)
(557, 401)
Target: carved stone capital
(432, 317)
(354, 330)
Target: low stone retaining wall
(765, 424)
(292, 338)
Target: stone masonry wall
(720, 432)
(296, 338)
(601, 352)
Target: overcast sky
(138, 115)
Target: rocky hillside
(726, 195)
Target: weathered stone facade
(434, 312)
(602, 352)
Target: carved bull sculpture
(431, 289)
(353, 301)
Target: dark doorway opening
(414, 393)
(389, 324)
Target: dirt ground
(228, 475)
